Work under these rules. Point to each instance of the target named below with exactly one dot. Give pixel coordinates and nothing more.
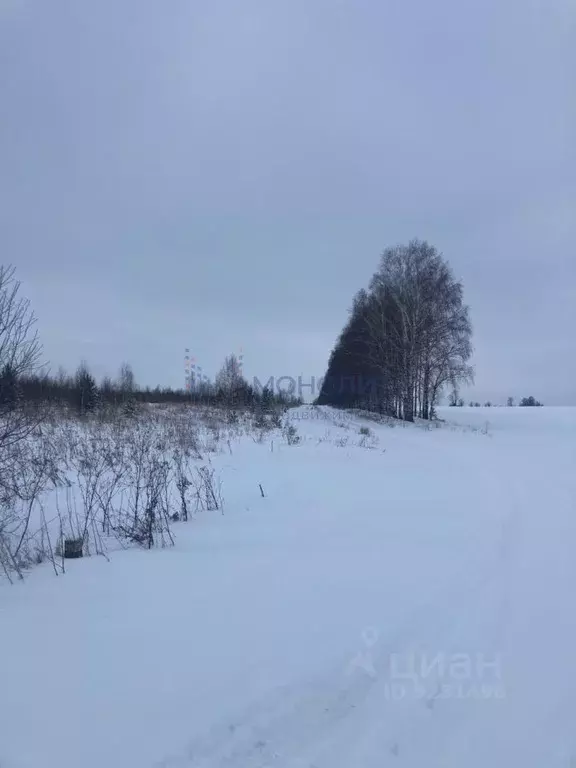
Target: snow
(403, 600)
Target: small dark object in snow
(73, 548)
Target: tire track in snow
(276, 730)
(446, 633)
(413, 724)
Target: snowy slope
(401, 600)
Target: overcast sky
(223, 175)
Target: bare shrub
(34, 468)
(117, 480)
(291, 434)
(207, 494)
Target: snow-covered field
(398, 599)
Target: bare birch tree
(416, 332)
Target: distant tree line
(407, 338)
(530, 402)
(525, 402)
(81, 392)
(456, 401)
(25, 383)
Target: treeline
(530, 402)
(408, 337)
(81, 392)
(458, 402)
(25, 381)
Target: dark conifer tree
(86, 391)
(10, 390)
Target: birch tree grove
(408, 337)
